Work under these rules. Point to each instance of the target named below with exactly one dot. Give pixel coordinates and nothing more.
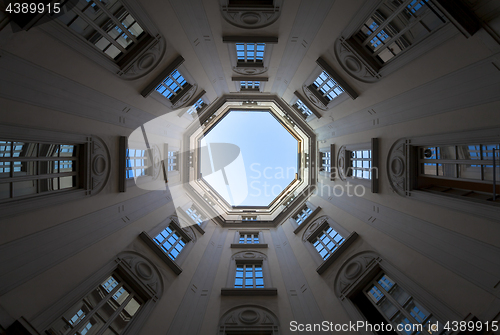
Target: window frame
(153, 46)
(330, 173)
(249, 68)
(237, 239)
(251, 257)
(314, 230)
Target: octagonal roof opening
(265, 165)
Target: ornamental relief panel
(313, 99)
(313, 226)
(249, 255)
(351, 63)
(145, 62)
(249, 317)
(100, 165)
(396, 167)
(341, 163)
(250, 17)
(352, 270)
(185, 97)
(249, 71)
(144, 270)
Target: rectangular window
(399, 307)
(326, 161)
(460, 170)
(172, 161)
(327, 242)
(172, 85)
(327, 87)
(195, 215)
(249, 276)
(198, 105)
(249, 85)
(250, 52)
(396, 26)
(170, 242)
(108, 309)
(106, 25)
(303, 214)
(137, 162)
(360, 166)
(246, 238)
(304, 110)
(31, 169)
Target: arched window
(43, 168)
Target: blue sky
(268, 160)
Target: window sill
(249, 291)
(248, 245)
(164, 257)
(326, 264)
(307, 220)
(199, 229)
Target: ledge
(199, 229)
(326, 264)
(249, 291)
(307, 220)
(248, 246)
(164, 257)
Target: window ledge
(307, 220)
(326, 264)
(164, 257)
(199, 229)
(272, 291)
(248, 245)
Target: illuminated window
(303, 214)
(249, 85)
(327, 88)
(360, 165)
(326, 161)
(170, 241)
(172, 86)
(172, 160)
(304, 110)
(249, 276)
(327, 242)
(198, 105)
(250, 52)
(137, 162)
(249, 238)
(195, 214)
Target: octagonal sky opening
(267, 161)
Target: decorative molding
(185, 97)
(249, 70)
(148, 60)
(243, 319)
(355, 66)
(351, 271)
(99, 165)
(397, 171)
(341, 163)
(246, 246)
(313, 99)
(314, 227)
(250, 17)
(249, 256)
(250, 39)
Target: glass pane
(406, 325)
(49, 150)
(469, 171)
(113, 51)
(5, 191)
(22, 188)
(417, 311)
(400, 295)
(50, 184)
(24, 168)
(5, 148)
(67, 182)
(447, 170)
(22, 149)
(387, 308)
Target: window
(172, 86)
(398, 307)
(198, 105)
(250, 53)
(327, 242)
(172, 161)
(304, 110)
(249, 85)
(327, 88)
(360, 164)
(137, 162)
(195, 215)
(249, 276)
(303, 214)
(249, 218)
(249, 238)
(170, 242)
(459, 170)
(108, 309)
(396, 26)
(326, 161)
(29, 169)
(107, 26)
